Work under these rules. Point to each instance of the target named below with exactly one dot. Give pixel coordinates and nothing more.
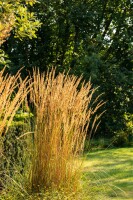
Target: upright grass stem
(62, 117)
(13, 91)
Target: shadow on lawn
(111, 170)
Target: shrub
(14, 156)
(125, 137)
(13, 148)
(97, 143)
(122, 139)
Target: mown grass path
(108, 174)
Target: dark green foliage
(122, 139)
(13, 148)
(97, 144)
(17, 20)
(125, 137)
(14, 144)
(12, 155)
(93, 38)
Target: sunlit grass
(13, 91)
(63, 110)
(109, 173)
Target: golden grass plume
(62, 117)
(13, 91)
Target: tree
(16, 19)
(93, 38)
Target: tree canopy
(16, 20)
(93, 38)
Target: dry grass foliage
(12, 93)
(62, 117)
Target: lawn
(108, 174)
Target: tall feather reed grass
(13, 91)
(63, 110)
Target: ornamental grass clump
(62, 118)
(13, 91)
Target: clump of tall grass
(62, 116)
(13, 91)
